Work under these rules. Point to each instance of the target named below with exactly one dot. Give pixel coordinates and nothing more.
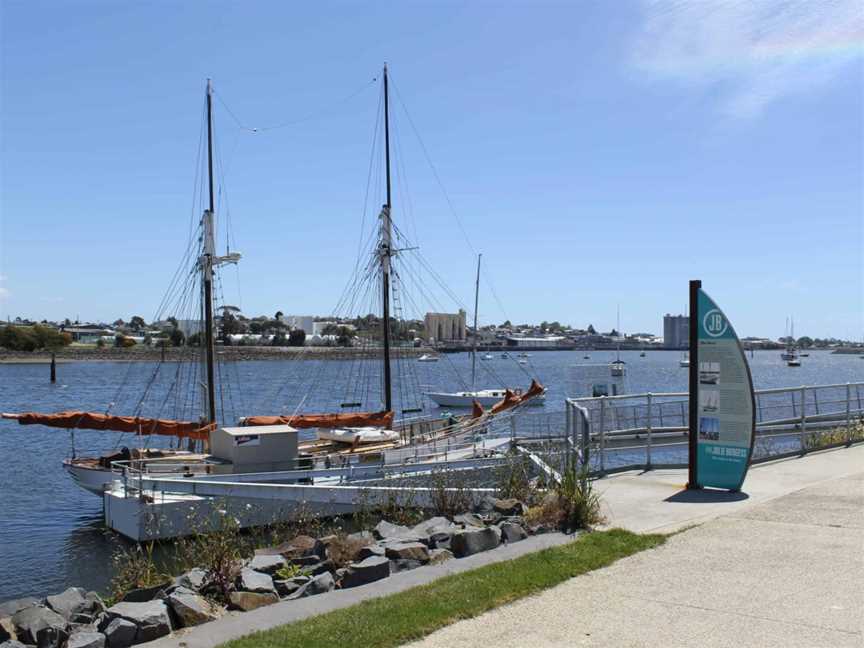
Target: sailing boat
(791, 356)
(340, 433)
(685, 360)
(618, 367)
(483, 397)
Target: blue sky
(597, 153)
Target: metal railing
(650, 430)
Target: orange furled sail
(512, 399)
(137, 424)
(476, 409)
(383, 419)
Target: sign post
(722, 418)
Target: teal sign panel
(724, 400)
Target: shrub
(135, 567)
(32, 338)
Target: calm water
(51, 533)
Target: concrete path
(788, 571)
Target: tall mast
(207, 266)
(618, 331)
(386, 253)
(476, 307)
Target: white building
(303, 322)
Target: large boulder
(120, 633)
(9, 608)
(370, 550)
(384, 530)
(404, 564)
(195, 579)
(267, 564)
(144, 594)
(12, 643)
(407, 551)
(509, 506)
(189, 608)
(7, 630)
(472, 540)
(469, 520)
(438, 556)
(66, 602)
(436, 532)
(366, 571)
(39, 625)
(318, 585)
(318, 568)
(486, 505)
(86, 640)
(250, 580)
(150, 617)
(512, 532)
(246, 601)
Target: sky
(599, 154)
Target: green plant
(134, 568)
(288, 571)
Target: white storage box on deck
(264, 448)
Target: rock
(86, 640)
(190, 608)
(371, 550)
(437, 556)
(150, 617)
(254, 581)
(7, 629)
(144, 594)
(304, 545)
(512, 532)
(120, 633)
(318, 568)
(385, 531)
(366, 571)
(509, 506)
(251, 600)
(39, 625)
(471, 541)
(305, 561)
(469, 520)
(285, 587)
(485, 505)
(9, 608)
(404, 564)
(318, 585)
(362, 536)
(194, 579)
(82, 618)
(64, 603)
(11, 643)
(436, 532)
(407, 551)
(267, 564)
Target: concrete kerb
(239, 624)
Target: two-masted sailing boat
(343, 433)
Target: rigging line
(317, 114)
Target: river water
(51, 532)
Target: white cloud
(4, 293)
(749, 52)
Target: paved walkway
(774, 570)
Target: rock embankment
(304, 566)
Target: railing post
(602, 435)
(648, 448)
(848, 414)
(513, 427)
(803, 420)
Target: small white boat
(358, 436)
(618, 368)
(684, 361)
(504, 355)
(486, 397)
(794, 362)
(488, 356)
(523, 361)
(524, 355)
(586, 357)
(427, 358)
(642, 355)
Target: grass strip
(396, 619)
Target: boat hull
(92, 479)
(462, 400)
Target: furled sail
(137, 424)
(476, 409)
(512, 399)
(383, 419)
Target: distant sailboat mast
(476, 307)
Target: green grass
(399, 618)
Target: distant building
(534, 342)
(303, 322)
(86, 333)
(447, 327)
(676, 331)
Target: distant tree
(230, 325)
(67, 322)
(331, 329)
(506, 324)
(193, 340)
(279, 339)
(177, 337)
(805, 342)
(297, 338)
(119, 322)
(137, 323)
(257, 327)
(614, 333)
(123, 341)
(278, 315)
(100, 343)
(173, 322)
(148, 340)
(591, 330)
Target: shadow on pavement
(706, 496)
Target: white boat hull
(466, 399)
(359, 436)
(93, 480)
